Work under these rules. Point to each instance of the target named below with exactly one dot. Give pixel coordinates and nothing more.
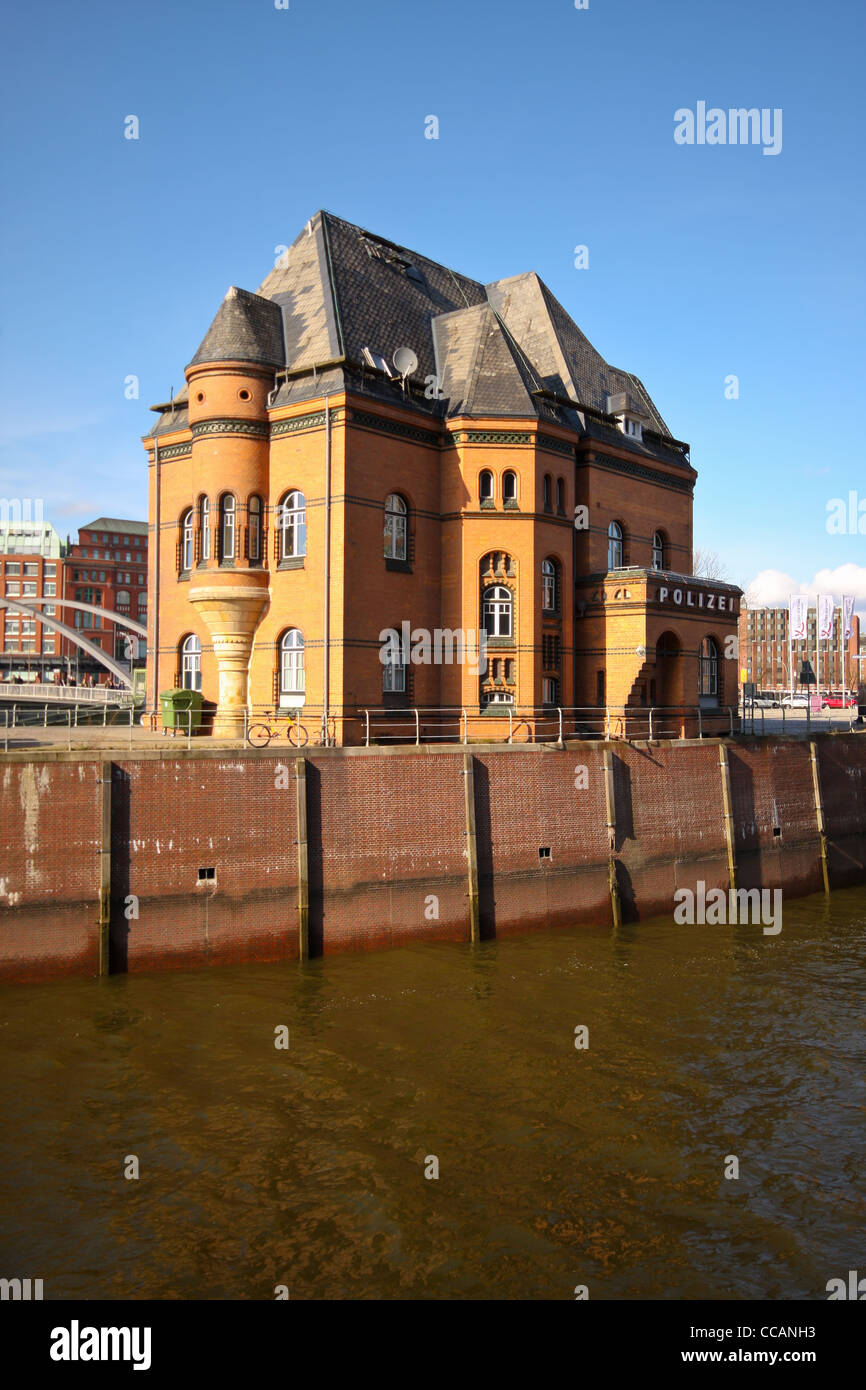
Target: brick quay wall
(147, 861)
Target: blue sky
(555, 130)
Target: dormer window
(630, 426)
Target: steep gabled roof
(480, 370)
(247, 328)
(508, 348)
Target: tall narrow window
(709, 668)
(292, 677)
(190, 665)
(205, 528)
(187, 541)
(255, 530)
(614, 546)
(393, 672)
(560, 495)
(395, 527)
(548, 586)
(658, 551)
(509, 487)
(293, 526)
(485, 485)
(548, 493)
(497, 611)
(227, 527)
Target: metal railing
(539, 723)
(64, 694)
(798, 721)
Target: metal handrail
(78, 694)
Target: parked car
(839, 701)
(763, 702)
(796, 702)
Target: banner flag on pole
(825, 617)
(847, 615)
(798, 607)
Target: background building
(372, 439)
(764, 655)
(107, 567)
(30, 567)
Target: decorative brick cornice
(257, 429)
(395, 427)
(314, 421)
(556, 446)
(637, 470)
(174, 451)
(491, 437)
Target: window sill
(227, 565)
(500, 642)
(295, 562)
(183, 577)
(488, 504)
(398, 566)
(511, 506)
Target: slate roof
(247, 328)
(111, 523)
(339, 289)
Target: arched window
(227, 527)
(123, 600)
(548, 586)
(509, 487)
(190, 663)
(485, 485)
(548, 493)
(292, 521)
(658, 550)
(497, 611)
(205, 528)
(709, 668)
(292, 678)
(186, 543)
(254, 534)
(396, 513)
(560, 494)
(614, 546)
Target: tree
(707, 565)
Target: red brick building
(108, 568)
(764, 650)
(371, 440)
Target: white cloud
(770, 588)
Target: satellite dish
(405, 361)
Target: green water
(557, 1166)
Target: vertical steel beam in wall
(303, 861)
(725, 768)
(610, 806)
(819, 812)
(104, 852)
(471, 846)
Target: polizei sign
(697, 598)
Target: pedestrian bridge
(49, 693)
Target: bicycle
(260, 735)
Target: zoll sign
(698, 598)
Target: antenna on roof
(406, 363)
